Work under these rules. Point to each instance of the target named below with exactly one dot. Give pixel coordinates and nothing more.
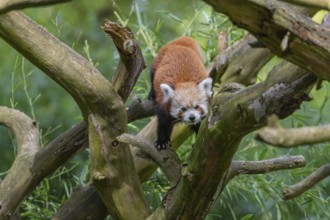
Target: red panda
(180, 87)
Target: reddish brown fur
(178, 64)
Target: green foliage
(154, 23)
(54, 191)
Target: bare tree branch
(276, 135)
(19, 179)
(8, 5)
(33, 164)
(283, 31)
(299, 188)
(238, 167)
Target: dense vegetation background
(154, 23)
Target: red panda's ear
(206, 86)
(167, 92)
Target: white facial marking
(192, 116)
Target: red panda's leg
(164, 129)
(152, 95)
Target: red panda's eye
(196, 106)
(183, 109)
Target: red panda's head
(188, 101)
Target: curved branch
(24, 128)
(289, 35)
(8, 5)
(238, 167)
(18, 182)
(299, 188)
(276, 135)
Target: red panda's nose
(192, 117)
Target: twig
(299, 188)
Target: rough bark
(233, 66)
(287, 34)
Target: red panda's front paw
(162, 145)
